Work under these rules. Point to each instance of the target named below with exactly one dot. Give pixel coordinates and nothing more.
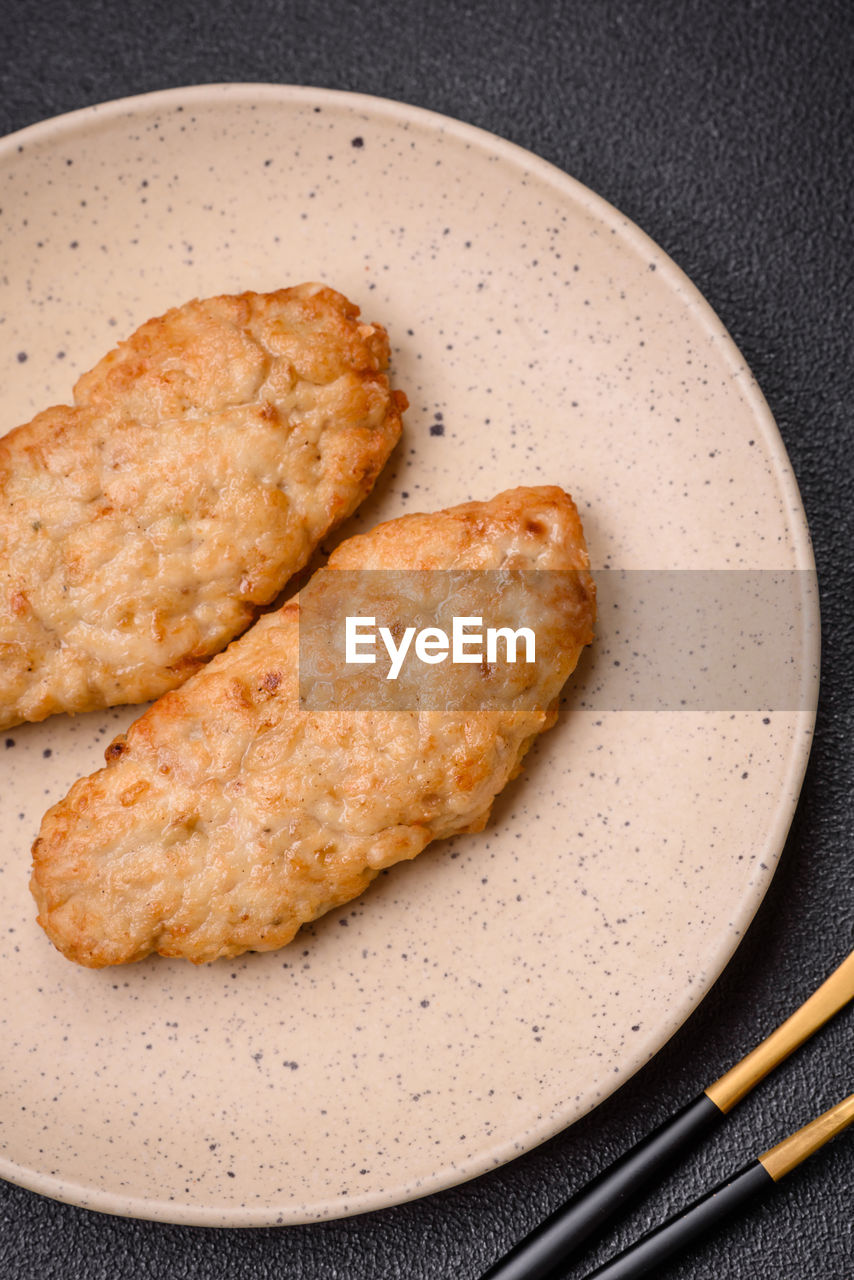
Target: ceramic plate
(476, 1001)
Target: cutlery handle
(551, 1243)
(680, 1232)
(685, 1228)
(704, 1214)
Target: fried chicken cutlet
(229, 815)
(202, 461)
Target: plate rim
(792, 776)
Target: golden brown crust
(203, 460)
(228, 816)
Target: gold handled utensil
(683, 1229)
(551, 1244)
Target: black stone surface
(726, 130)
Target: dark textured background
(726, 131)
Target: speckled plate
(479, 999)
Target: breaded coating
(229, 815)
(202, 462)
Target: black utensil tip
(682, 1231)
(551, 1245)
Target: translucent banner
(468, 640)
